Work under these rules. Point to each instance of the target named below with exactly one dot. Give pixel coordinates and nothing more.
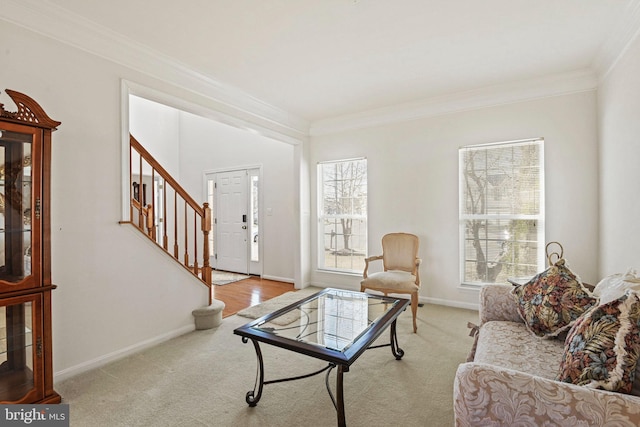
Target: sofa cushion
(497, 303)
(392, 279)
(552, 300)
(510, 345)
(602, 348)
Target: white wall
(413, 182)
(619, 128)
(157, 127)
(210, 146)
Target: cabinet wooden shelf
(26, 368)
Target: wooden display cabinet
(26, 369)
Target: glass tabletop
(332, 319)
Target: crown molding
(618, 42)
(69, 28)
(507, 93)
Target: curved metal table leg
(395, 349)
(338, 400)
(252, 397)
(340, 395)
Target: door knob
(244, 227)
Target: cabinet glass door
(16, 194)
(18, 349)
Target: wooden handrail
(145, 220)
(164, 174)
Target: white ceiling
(318, 59)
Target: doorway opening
(190, 140)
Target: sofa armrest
(489, 395)
(497, 303)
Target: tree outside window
(501, 211)
(343, 215)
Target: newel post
(206, 229)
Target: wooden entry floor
(245, 293)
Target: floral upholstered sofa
(510, 377)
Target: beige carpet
(201, 378)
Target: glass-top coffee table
(332, 325)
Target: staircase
(164, 212)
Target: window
(342, 207)
(501, 211)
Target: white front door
(232, 218)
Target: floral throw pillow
(551, 301)
(602, 347)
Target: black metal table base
(253, 396)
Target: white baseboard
(119, 354)
(278, 279)
(449, 303)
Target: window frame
(463, 217)
(322, 216)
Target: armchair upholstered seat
(401, 274)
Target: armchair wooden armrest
(367, 261)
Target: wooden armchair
(401, 273)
